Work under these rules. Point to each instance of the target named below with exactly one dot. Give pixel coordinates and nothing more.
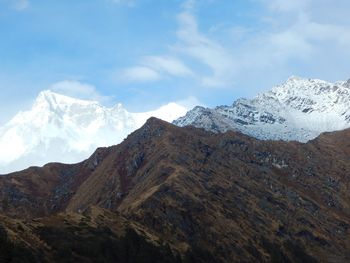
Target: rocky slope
(64, 129)
(299, 109)
(191, 195)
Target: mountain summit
(64, 129)
(300, 109)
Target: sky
(146, 53)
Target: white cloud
(129, 3)
(292, 34)
(189, 5)
(294, 38)
(297, 31)
(154, 68)
(167, 64)
(190, 102)
(206, 51)
(191, 44)
(307, 34)
(138, 74)
(19, 4)
(286, 5)
(77, 89)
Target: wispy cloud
(79, 90)
(138, 74)
(124, 2)
(189, 5)
(154, 68)
(304, 35)
(206, 51)
(190, 102)
(19, 5)
(286, 5)
(290, 32)
(191, 44)
(168, 65)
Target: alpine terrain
(63, 129)
(300, 109)
(171, 194)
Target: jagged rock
(300, 109)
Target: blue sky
(144, 53)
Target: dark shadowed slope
(223, 197)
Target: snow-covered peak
(297, 84)
(294, 78)
(49, 102)
(64, 129)
(299, 109)
(55, 100)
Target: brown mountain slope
(230, 196)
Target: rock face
(64, 129)
(299, 109)
(205, 197)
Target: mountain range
(172, 194)
(299, 109)
(64, 129)
(258, 181)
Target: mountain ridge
(300, 109)
(237, 198)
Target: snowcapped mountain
(300, 109)
(63, 129)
